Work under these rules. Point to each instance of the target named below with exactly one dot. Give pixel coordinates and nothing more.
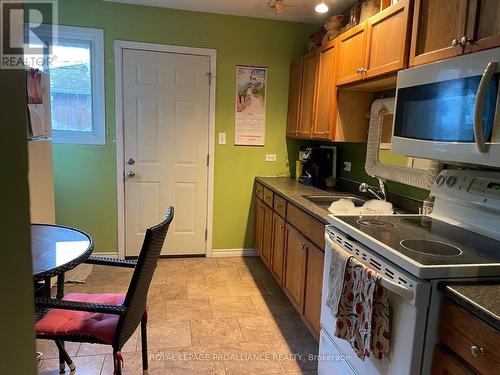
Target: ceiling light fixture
(321, 7)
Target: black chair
(105, 318)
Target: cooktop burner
(435, 248)
(376, 223)
(426, 240)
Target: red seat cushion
(68, 322)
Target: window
(77, 86)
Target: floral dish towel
(364, 312)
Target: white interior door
(166, 125)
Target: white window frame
(96, 39)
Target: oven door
(408, 317)
(449, 110)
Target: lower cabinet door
(278, 258)
(446, 363)
(295, 268)
(267, 235)
(314, 283)
(259, 225)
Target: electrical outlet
(347, 166)
(270, 157)
(222, 138)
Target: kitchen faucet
(380, 193)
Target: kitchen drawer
(307, 225)
(268, 196)
(280, 205)
(259, 190)
(473, 340)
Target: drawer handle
(477, 351)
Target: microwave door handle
(479, 106)
(396, 288)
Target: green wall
(17, 332)
(85, 175)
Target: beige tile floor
(207, 316)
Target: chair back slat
(137, 293)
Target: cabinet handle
(464, 41)
(364, 70)
(477, 351)
(358, 70)
(455, 43)
(282, 226)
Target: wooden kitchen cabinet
(388, 40)
(259, 225)
(294, 95)
(267, 235)
(295, 268)
(307, 97)
(313, 287)
(438, 26)
(483, 25)
(446, 363)
(323, 126)
(278, 252)
(469, 338)
(352, 46)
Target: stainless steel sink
(325, 201)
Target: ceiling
(299, 10)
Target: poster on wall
(250, 117)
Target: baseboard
(108, 254)
(220, 253)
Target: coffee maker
(319, 165)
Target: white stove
(459, 241)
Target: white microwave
(450, 110)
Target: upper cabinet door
(388, 40)
(352, 45)
(309, 74)
(483, 25)
(326, 103)
(438, 26)
(294, 94)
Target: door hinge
(208, 160)
(206, 234)
(209, 76)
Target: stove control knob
(450, 181)
(439, 180)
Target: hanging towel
(336, 277)
(381, 334)
(363, 312)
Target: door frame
(119, 46)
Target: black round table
(56, 249)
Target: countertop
(294, 192)
(480, 299)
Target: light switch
(222, 138)
(270, 157)
(347, 166)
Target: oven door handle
(479, 106)
(394, 287)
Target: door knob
(131, 174)
(477, 351)
(464, 41)
(131, 161)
